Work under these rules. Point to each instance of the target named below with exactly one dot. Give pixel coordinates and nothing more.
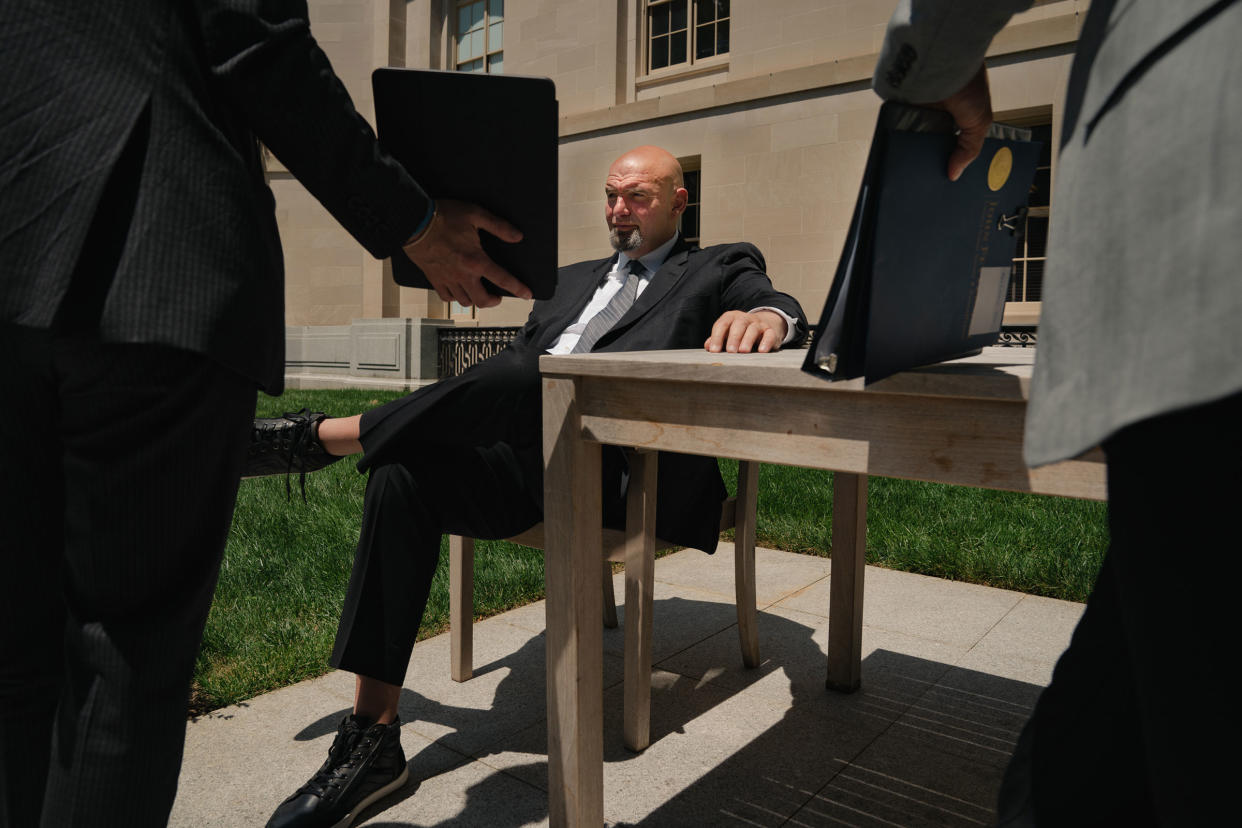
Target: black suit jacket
(129, 167)
(500, 400)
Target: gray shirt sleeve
(932, 48)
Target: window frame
(455, 63)
(692, 63)
(692, 164)
(1022, 312)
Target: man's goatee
(631, 240)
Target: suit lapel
(585, 289)
(571, 297)
(664, 280)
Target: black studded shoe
(285, 445)
(365, 764)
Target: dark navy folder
(926, 264)
(488, 139)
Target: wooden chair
(639, 539)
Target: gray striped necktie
(602, 322)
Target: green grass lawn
(1031, 543)
(287, 562)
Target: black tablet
(488, 139)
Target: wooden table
(959, 422)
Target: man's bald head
(660, 162)
(645, 200)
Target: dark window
(1026, 281)
(711, 28)
(692, 177)
(671, 39)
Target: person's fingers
(458, 294)
(752, 333)
(715, 341)
(971, 108)
(477, 292)
(482, 297)
(771, 341)
(741, 333)
(969, 145)
(495, 225)
(502, 278)
(736, 331)
(725, 332)
(453, 258)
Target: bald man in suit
(465, 455)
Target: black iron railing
(462, 347)
(1019, 336)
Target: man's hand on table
(738, 332)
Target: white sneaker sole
(373, 798)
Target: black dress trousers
(119, 466)
(1131, 730)
(464, 457)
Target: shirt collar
(653, 260)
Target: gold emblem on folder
(999, 169)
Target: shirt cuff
(791, 326)
(422, 225)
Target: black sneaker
(364, 765)
(288, 444)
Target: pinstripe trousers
(118, 472)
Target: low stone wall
(398, 354)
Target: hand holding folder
(926, 263)
(489, 140)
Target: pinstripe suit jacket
(136, 122)
(1142, 295)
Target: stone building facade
(767, 100)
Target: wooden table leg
(845, 610)
(640, 517)
(744, 561)
(461, 607)
(575, 640)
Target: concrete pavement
(950, 673)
